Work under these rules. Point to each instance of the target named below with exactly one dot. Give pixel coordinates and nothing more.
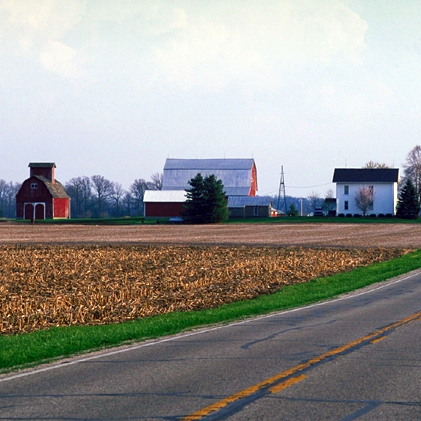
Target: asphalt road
(358, 357)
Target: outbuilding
(249, 206)
(164, 204)
(41, 196)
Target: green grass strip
(24, 350)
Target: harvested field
(305, 235)
(57, 285)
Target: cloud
(253, 43)
(37, 28)
(59, 58)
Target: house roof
(42, 165)
(242, 201)
(57, 190)
(236, 174)
(366, 175)
(168, 196)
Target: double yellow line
(287, 378)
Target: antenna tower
(281, 193)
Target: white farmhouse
(382, 181)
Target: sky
(115, 87)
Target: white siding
(385, 198)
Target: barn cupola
(44, 169)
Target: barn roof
(42, 165)
(57, 190)
(236, 174)
(169, 196)
(242, 201)
(366, 175)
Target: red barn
(160, 203)
(41, 195)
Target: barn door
(29, 211)
(39, 211)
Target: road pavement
(356, 357)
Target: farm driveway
(307, 235)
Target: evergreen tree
(408, 206)
(206, 200)
(292, 210)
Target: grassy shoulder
(24, 350)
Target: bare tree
(86, 194)
(8, 191)
(103, 190)
(314, 201)
(156, 182)
(412, 168)
(128, 203)
(329, 203)
(137, 189)
(80, 191)
(375, 165)
(117, 197)
(364, 199)
(74, 189)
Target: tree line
(8, 191)
(99, 197)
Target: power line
(308, 187)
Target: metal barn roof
(208, 164)
(236, 174)
(169, 196)
(242, 201)
(366, 175)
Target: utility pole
(281, 192)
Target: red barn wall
(29, 195)
(163, 209)
(61, 208)
(253, 184)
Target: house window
(346, 205)
(34, 185)
(346, 190)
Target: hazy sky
(114, 87)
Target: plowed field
(54, 275)
(306, 235)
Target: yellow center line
(380, 338)
(287, 383)
(273, 381)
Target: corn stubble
(44, 286)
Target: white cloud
(186, 44)
(253, 43)
(37, 29)
(59, 58)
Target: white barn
(383, 182)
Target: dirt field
(306, 235)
